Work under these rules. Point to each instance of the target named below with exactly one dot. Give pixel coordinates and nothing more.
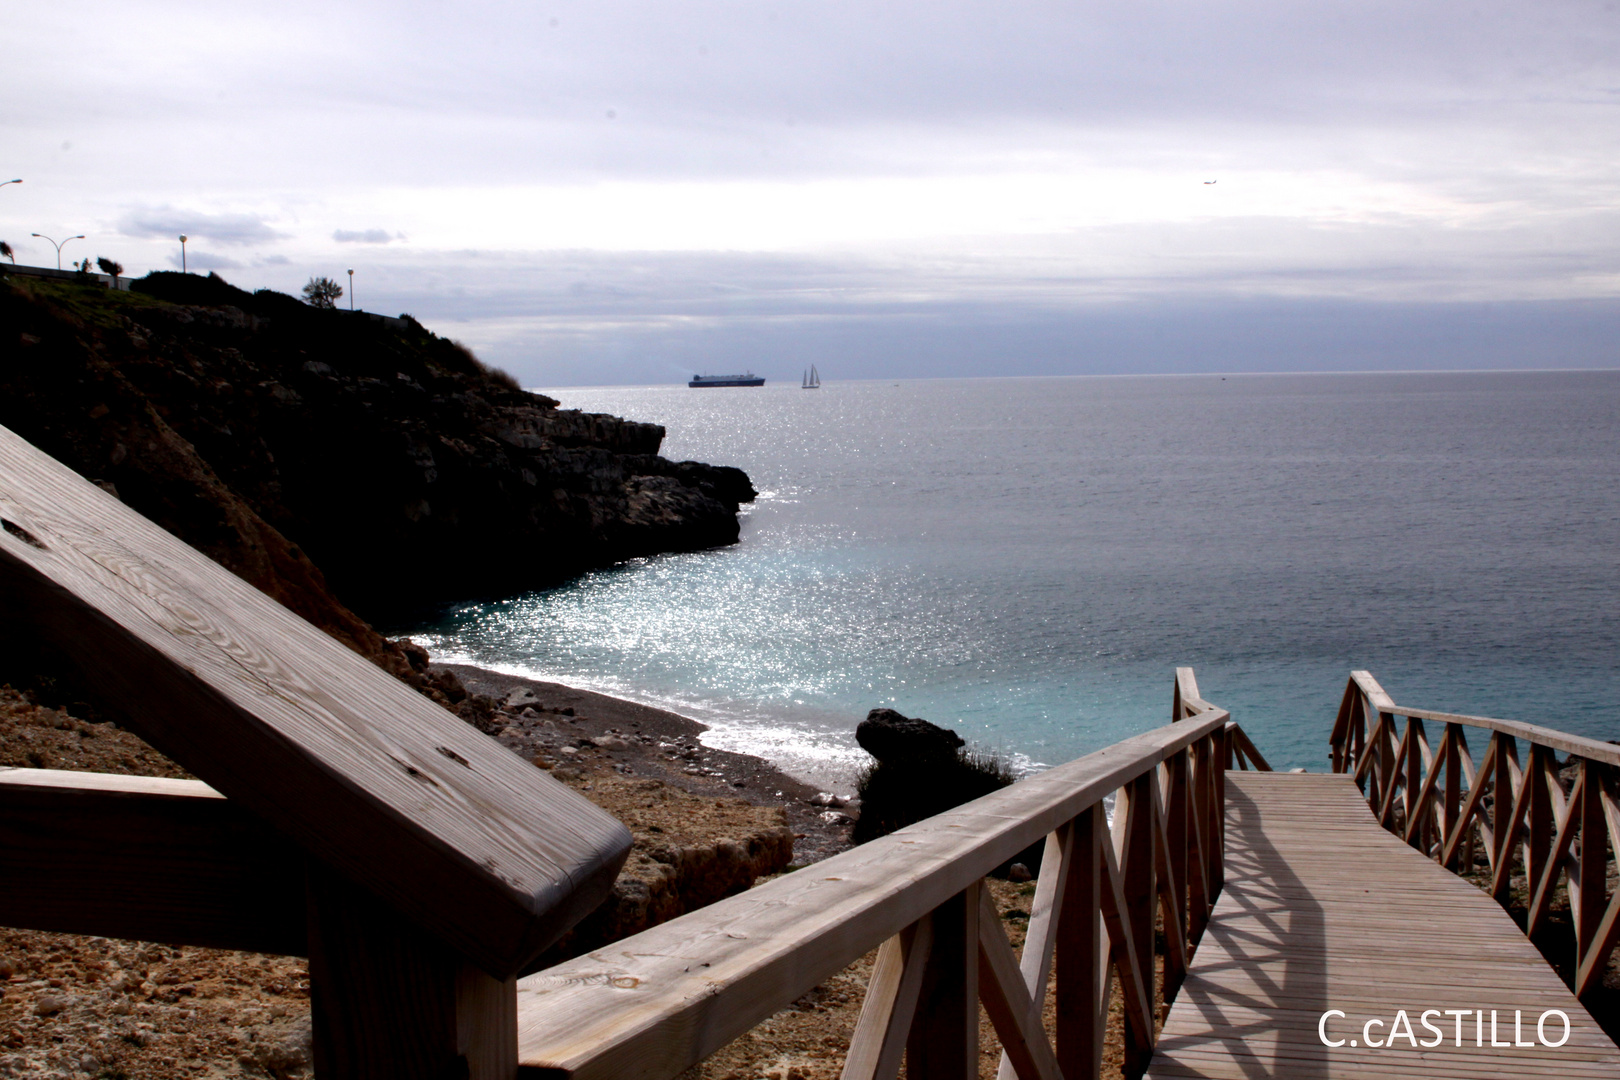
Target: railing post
(1539, 823)
(1453, 797)
(1412, 773)
(1586, 895)
(1137, 818)
(1217, 814)
(387, 1002)
(1175, 835)
(1502, 796)
(944, 1039)
(1081, 957)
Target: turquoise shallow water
(1028, 559)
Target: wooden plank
(1580, 746)
(635, 1009)
(145, 858)
(1136, 829)
(389, 1002)
(356, 768)
(944, 1040)
(879, 1043)
(1080, 1005)
(1041, 932)
(1324, 909)
(1380, 701)
(1008, 1002)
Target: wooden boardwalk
(1323, 910)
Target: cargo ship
(749, 379)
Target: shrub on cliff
(322, 292)
(922, 769)
(896, 794)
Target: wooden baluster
(879, 1042)
(1586, 895)
(1359, 727)
(1388, 767)
(944, 1039)
(1507, 841)
(1339, 742)
(1606, 926)
(1501, 814)
(1175, 847)
(1539, 820)
(1412, 808)
(1198, 882)
(1082, 952)
(1041, 940)
(1134, 826)
(388, 1002)
(1393, 770)
(1215, 820)
(1456, 750)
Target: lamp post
(351, 290)
(10, 182)
(182, 253)
(42, 236)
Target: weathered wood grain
(348, 763)
(145, 858)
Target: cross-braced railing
(654, 1004)
(1522, 816)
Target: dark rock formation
(922, 769)
(903, 740)
(279, 438)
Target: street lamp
(11, 182)
(351, 290)
(42, 236)
(182, 253)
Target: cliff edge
(354, 468)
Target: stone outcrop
(904, 740)
(919, 770)
(280, 439)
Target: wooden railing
(1522, 816)
(654, 1004)
(338, 814)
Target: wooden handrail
(1436, 800)
(420, 866)
(653, 1005)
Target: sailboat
(812, 380)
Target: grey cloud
(367, 236)
(204, 260)
(167, 223)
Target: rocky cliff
(340, 462)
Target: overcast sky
(627, 192)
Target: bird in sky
(1208, 182)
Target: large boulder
(895, 739)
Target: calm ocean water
(1028, 559)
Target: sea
(1027, 560)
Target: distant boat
(749, 379)
(812, 380)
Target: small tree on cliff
(110, 268)
(5, 249)
(322, 292)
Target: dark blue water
(1028, 559)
